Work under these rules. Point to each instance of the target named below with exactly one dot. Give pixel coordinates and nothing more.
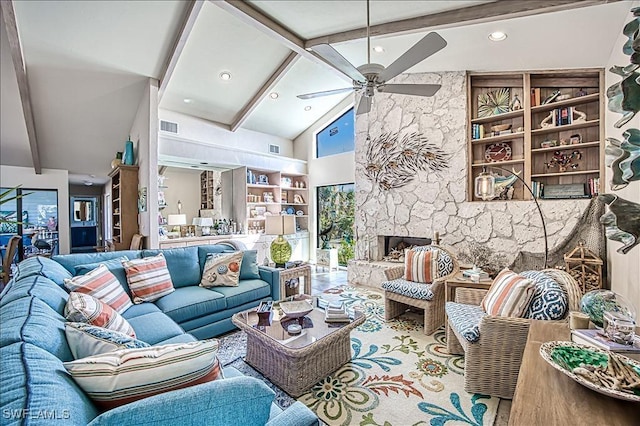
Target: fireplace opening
(395, 246)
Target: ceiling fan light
(225, 76)
(497, 36)
(307, 108)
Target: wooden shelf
(577, 172)
(499, 117)
(498, 163)
(294, 204)
(262, 204)
(574, 126)
(567, 102)
(491, 139)
(564, 147)
(256, 185)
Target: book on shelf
(594, 337)
(535, 96)
(477, 131)
(594, 186)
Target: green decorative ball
(596, 302)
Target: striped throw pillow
(509, 295)
(88, 340)
(148, 278)
(421, 266)
(103, 285)
(85, 308)
(126, 375)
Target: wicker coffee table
(296, 362)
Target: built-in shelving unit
(124, 205)
(540, 134)
(207, 190)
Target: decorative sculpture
(624, 159)
(393, 161)
(624, 96)
(564, 160)
(581, 117)
(622, 221)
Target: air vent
(167, 126)
(274, 149)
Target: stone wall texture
(437, 201)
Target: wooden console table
(545, 396)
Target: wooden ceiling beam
(277, 75)
(193, 10)
(487, 12)
(11, 27)
(255, 18)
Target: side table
(459, 281)
(327, 258)
(290, 280)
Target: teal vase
(127, 156)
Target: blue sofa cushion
(465, 319)
(191, 302)
(36, 286)
(246, 291)
(140, 309)
(182, 263)
(34, 380)
(154, 327)
(69, 261)
(30, 320)
(549, 299)
(42, 266)
(409, 288)
(113, 265)
(249, 266)
(182, 338)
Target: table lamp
(280, 248)
(176, 220)
(205, 223)
(485, 188)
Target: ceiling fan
(369, 78)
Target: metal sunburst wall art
(393, 161)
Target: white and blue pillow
(465, 319)
(87, 340)
(549, 299)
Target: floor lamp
(485, 189)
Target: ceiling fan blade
(365, 105)
(325, 93)
(338, 61)
(410, 89)
(430, 44)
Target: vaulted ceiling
(87, 61)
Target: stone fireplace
(394, 246)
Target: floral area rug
(397, 376)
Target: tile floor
(322, 279)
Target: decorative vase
(127, 158)
(116, 161)
(596, 302)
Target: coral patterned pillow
(509, 296)
(103, 285)
(148, 278)
(222, 269)
(82, 307)
(421, 266)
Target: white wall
(331, 170)
(623, 268)
(183, 185)
(11, 176)
(198, 129)
(144, 134)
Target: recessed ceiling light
(307, 108)
(274, 95)
(186, 100)
(225, 76)
(378, 49)
(497, 36)
(194, 167)
(204, 163)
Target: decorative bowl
(296, 309)
(500, 127)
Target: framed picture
(263, 179)
(575, 139)
(494, 103)
(285, 182)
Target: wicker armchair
(492, 363)
(396, 304)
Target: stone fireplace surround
(436, 202)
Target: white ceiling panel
(310, 19)
(14, 141)
(220, 42)
(286, 116)
(559, 40)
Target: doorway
(84, 224)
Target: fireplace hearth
(394, 246)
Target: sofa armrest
(470, 296)
(218, 403)
(297, 414)
(272, 276)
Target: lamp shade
(280, 225)
(177, 219)
(202, 221)
(485, 186)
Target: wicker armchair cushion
(409, 289)
(465, 319)
(549, 299)
(445, 262)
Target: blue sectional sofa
(36, 389)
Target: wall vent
(274, 149)
(167, 126)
